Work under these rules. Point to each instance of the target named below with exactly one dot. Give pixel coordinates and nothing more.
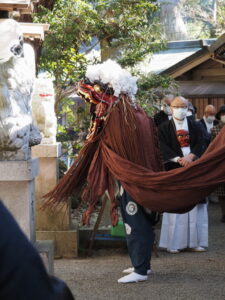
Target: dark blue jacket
(22, 273)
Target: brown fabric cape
(127, 151)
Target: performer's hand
(190, 157)
(186, 160)
(181, 161)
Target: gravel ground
(187, 275)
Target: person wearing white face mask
(209, 119)
(191, 111)
(220, 191)
(165, 113)
(181, 142)
(208, 122)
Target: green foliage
(60, 54)
(126, 30)
(204, 18)
(220, 18)
(77, 121)
(152, 88)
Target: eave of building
(188, 63)
(23, 6)
(34, 30)
(163, 62)
(217, 44)
(215, 51)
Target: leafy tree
(204, 18)
(220, 17)
(152, 88)
(126, 30)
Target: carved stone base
(53, 225)
(17, 192)
(46, 180)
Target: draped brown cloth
(127, 151)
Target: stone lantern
(17, 131)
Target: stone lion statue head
(12, 44)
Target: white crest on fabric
(131, 208)
(127, 228)
(110, 72)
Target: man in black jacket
(181, 142)
(22, 273)
(208, 122)
(169, 141)
(165, 114)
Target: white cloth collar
(181, 124)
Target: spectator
(209, 119)
(220, 191)
(165, 114)
(191, 111)
(181, 143)
(22, 273)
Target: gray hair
(169, 97)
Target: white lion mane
(110, 72)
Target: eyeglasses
(178, 106)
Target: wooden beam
(15, 2)
(210, 72)
(24, 6)
(218, 60)
(12, 6)
(190, 65)
(218, 43)
(28, 10)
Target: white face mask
(180, 113)
(189, 113)
(222, 119)
(167, 110)
(210, 119)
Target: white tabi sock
(133, 277)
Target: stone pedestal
(17, 192)
(52, 225)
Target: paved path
(183, 276)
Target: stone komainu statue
(17, 132)
(43, 102)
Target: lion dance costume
(121, 152)
(122, 146)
